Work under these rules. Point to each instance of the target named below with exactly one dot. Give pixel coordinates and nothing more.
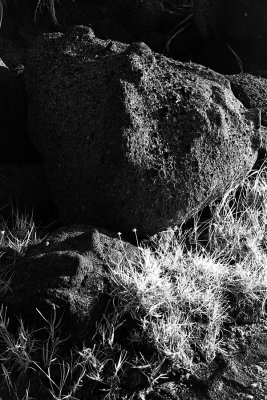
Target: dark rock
(129, 138)
(24, 188)
(251, 91)
(15, 145)
(68, 270)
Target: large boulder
(130, 138)
(66, 271)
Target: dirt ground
(239, 372)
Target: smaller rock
(68, 272)
(251, 91)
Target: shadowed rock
(132, 139)
(251, 91)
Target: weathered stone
(129, 138)
(68, 270)
(251, 91)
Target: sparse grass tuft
(18, 233)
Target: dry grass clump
(182, 297)
(18, 233)
(168, 310)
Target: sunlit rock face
(130, 138)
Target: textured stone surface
(132, 139)
(67, 270)
(251, 91)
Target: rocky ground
(238, 373)
(239, 370)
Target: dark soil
(240, 372)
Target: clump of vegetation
(168, 310)
(18, 233)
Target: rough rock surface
(68, 270)
(24, 188)
(15, 145)
(132, 139)
(251, 91)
